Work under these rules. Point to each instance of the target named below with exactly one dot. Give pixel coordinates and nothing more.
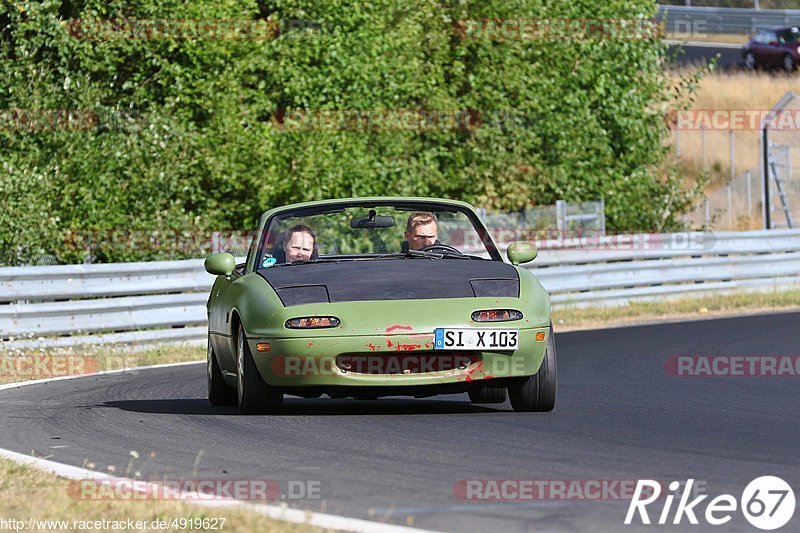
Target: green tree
(188, 134)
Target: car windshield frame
(410, 205)
(788, 36)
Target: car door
(221, 302)
(219, 322)
(766, 48)
(787, 39)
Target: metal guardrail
(165, 301)
(688, 21)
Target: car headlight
(312, 322)
(496, 315)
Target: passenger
(421, 230)
(299, 244)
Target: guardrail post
(729, 201)
(749, 192)
(703, 145)
(602, 216)
(765, 178)
(561, 216)
(732, 162)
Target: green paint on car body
(366, 328)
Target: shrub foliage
(104, 133)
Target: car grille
(418, 362)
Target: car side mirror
(522, 252)
(221, 264)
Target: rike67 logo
(768, 502)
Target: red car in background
(774, 47)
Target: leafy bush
(186, 134)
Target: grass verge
(43, 364)
(19, 483)
(53, 502)
(710, 306)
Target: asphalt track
(689, 54)
(619, 416)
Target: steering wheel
(440, 248)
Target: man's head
(420, 230)
(299, 243)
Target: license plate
(475, 339)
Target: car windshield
(329, 233)
(789, 36)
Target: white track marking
(275, 512)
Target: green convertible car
(371, 297)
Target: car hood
(391, 279)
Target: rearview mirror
(221, 264)
(372, 221)
(522, 252)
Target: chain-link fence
(736, 206)
(782, 164)
(563, 218)
(768, 194)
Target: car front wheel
(487, 395)
(218, 392)
(537, 392)
(788, 63)
(255, 396)
(750, 61)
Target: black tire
(487, 395)
(255, 396)
(537, 392)
(218, 392)
(788, 63)
(750, 62)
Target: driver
(421, 230)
